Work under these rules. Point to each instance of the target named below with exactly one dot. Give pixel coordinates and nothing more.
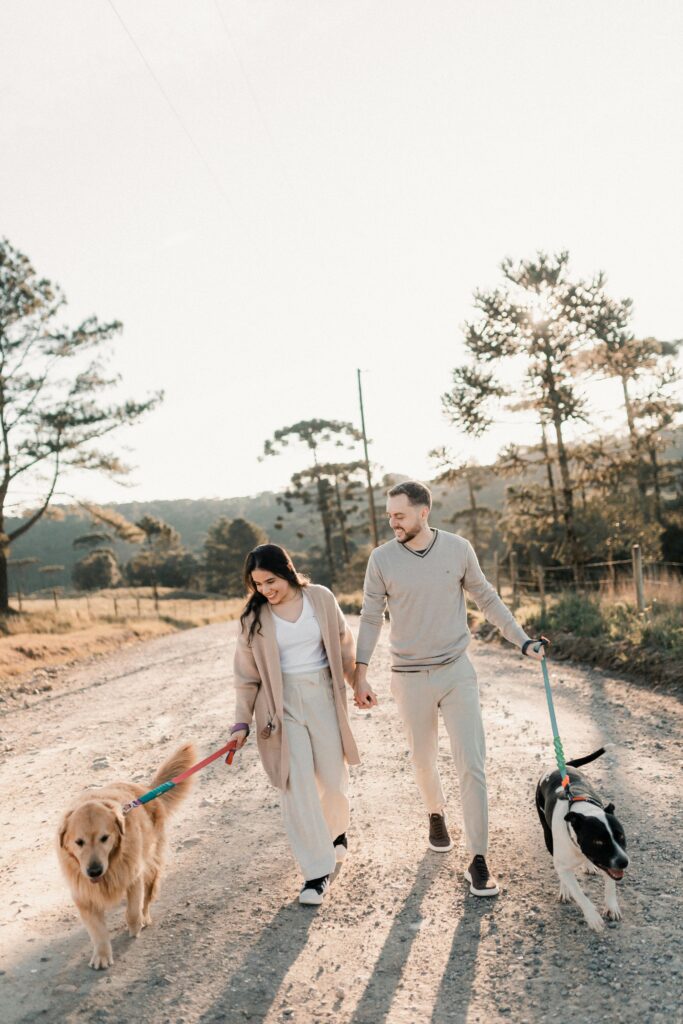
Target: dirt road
(399, 939)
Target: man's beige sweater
(426, 600)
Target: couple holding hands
(295, 652)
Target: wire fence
(604, 577)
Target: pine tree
(226, 547)
(54, 409)
(316, 435)
(539, 322)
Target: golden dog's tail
(178, 762)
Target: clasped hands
(363, 694)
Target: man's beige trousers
(452, 689)
(315, 805)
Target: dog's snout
(621, 862)
(94, 869)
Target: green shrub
(575, 613)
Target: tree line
(532, 349)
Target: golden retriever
(106, 856)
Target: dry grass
(47, 634)
(351, 604)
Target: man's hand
(538, 655)
(363, 694)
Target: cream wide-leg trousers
(453, 690)
(315, 805)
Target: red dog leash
(228, 749)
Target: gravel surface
(399, 939)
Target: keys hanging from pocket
(267, 730)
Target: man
(422, 575)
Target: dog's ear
(609, 809)
(119, 819)
(63, 826)
(573, 818)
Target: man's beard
(409, 535)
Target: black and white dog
(581, 832)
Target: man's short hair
(416, 493)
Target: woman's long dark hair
(270, 558)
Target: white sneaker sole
(480, 892)
(442, 849)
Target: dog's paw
(594, 919)
(564, 895)
(102, 958)
(612, 912)
(590, 869)
(146, 920)
(135, 927)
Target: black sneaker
(481, 882)
(439, 838)
(312, 892)
(341, 847)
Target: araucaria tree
(324, 478)
(536, 329)
(54, 394)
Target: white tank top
(300, 643)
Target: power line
(252, 93)
(207, 166)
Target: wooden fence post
(637, 557)
(513, 580)
(54, 598)
(541, 588)
(116, 608)
(19, 599)
(137, 604)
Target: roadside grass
(49, 632)
(606, 629)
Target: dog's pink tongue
(616, 873)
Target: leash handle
(231, 752)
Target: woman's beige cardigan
(258, 681)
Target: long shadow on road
(455, 992)
(250, 991)
(375, 1003)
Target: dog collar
(585, 800)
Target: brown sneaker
(439, 838)
(481, 882)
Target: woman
(293, 654)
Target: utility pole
(371, 496)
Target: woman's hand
(240, 738)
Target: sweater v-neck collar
(425, 552)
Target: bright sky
(355, 170)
